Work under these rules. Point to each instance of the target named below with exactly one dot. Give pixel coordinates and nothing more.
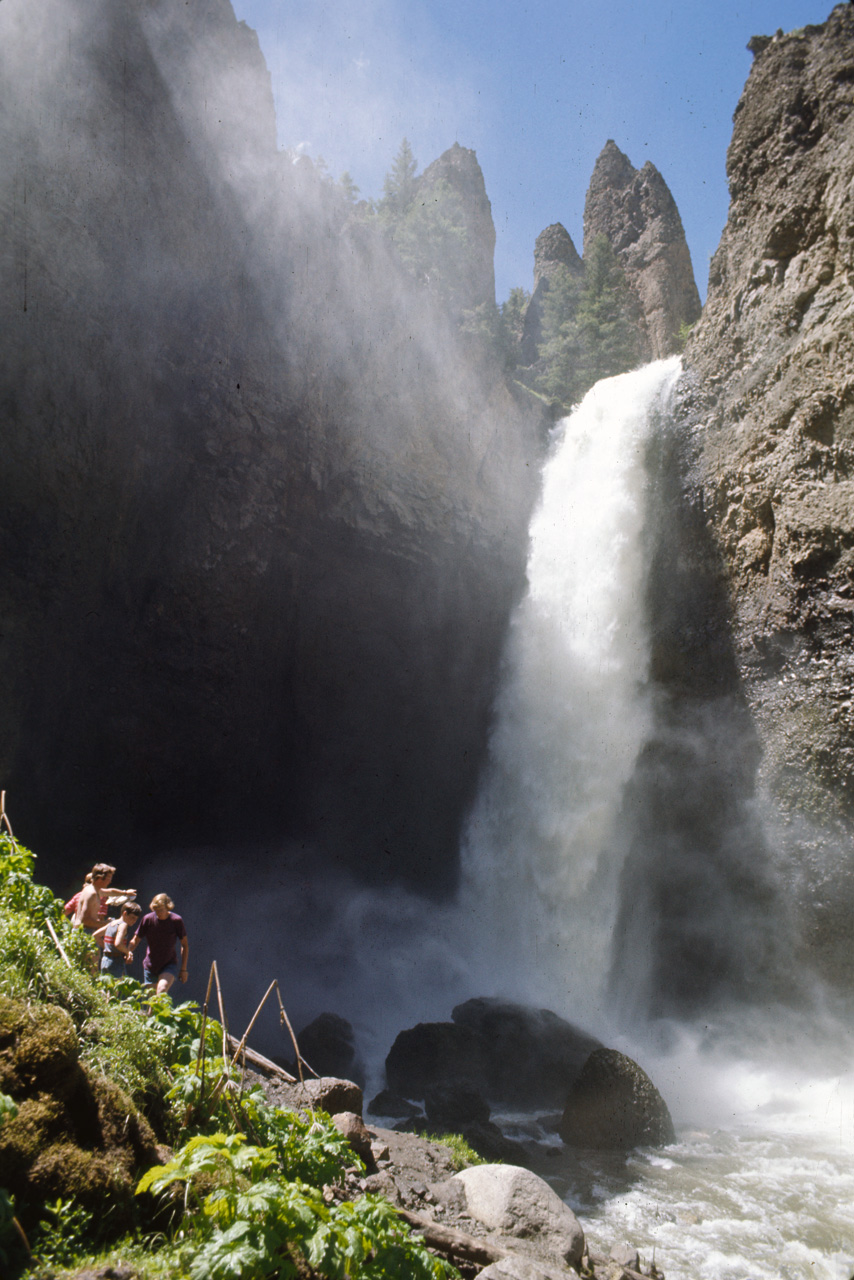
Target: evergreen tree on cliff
(399, 183)
(590, 328)
(427, 227)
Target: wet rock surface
(514, 1055)
(614, 1104)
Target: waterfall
(540, 864)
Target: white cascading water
(540, 874)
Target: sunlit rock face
(263, 521)
(634, 210)
(773, 408)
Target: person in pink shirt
(162, 929)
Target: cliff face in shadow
(264, 513)
(772, 408)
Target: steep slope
(263, 522)
(773, 408)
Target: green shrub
(243, 1222)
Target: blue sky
(535, 88)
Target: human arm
(185, 951)
(120, 941)
(135, 941)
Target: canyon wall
(264, 510)
(769, 470)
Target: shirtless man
(96, 894)
(92, 903)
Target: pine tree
(589, 326)
(399, 182)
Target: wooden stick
(451, 1243)
(263, 1064)
(221, 1014)
(201, 1059)
(283, 1017)
(253, 1021)
(59, 945)
(4, 819)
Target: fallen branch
(453, 1244)
(262, 1064)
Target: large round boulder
(515, 1202)
(613, 1104)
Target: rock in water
(515, 1055)
(614, 1105)
(529, 1056)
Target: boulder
(388, 1103)
(625, 1255)
(326, 1044)
(326, 1094)
(515, 1056)
(359, 1138)
(528, 1056)
(517, 1267)
(515, 1202)
(490, 1143)
(453, 1105)
(431, 1053)
(614, 1105)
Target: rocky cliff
(771, 400)
(262, 520)
(457, 169)
(636, 213)
(554, 249)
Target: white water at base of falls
(540, 873)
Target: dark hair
(133, 907)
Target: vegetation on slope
(131, 1135)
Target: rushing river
(759, 1187)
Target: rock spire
(635, 211)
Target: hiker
(91, 910)
(116, 937)
(89, 907)
(162, 929)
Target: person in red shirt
(162, 929)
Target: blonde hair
(161, 900)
